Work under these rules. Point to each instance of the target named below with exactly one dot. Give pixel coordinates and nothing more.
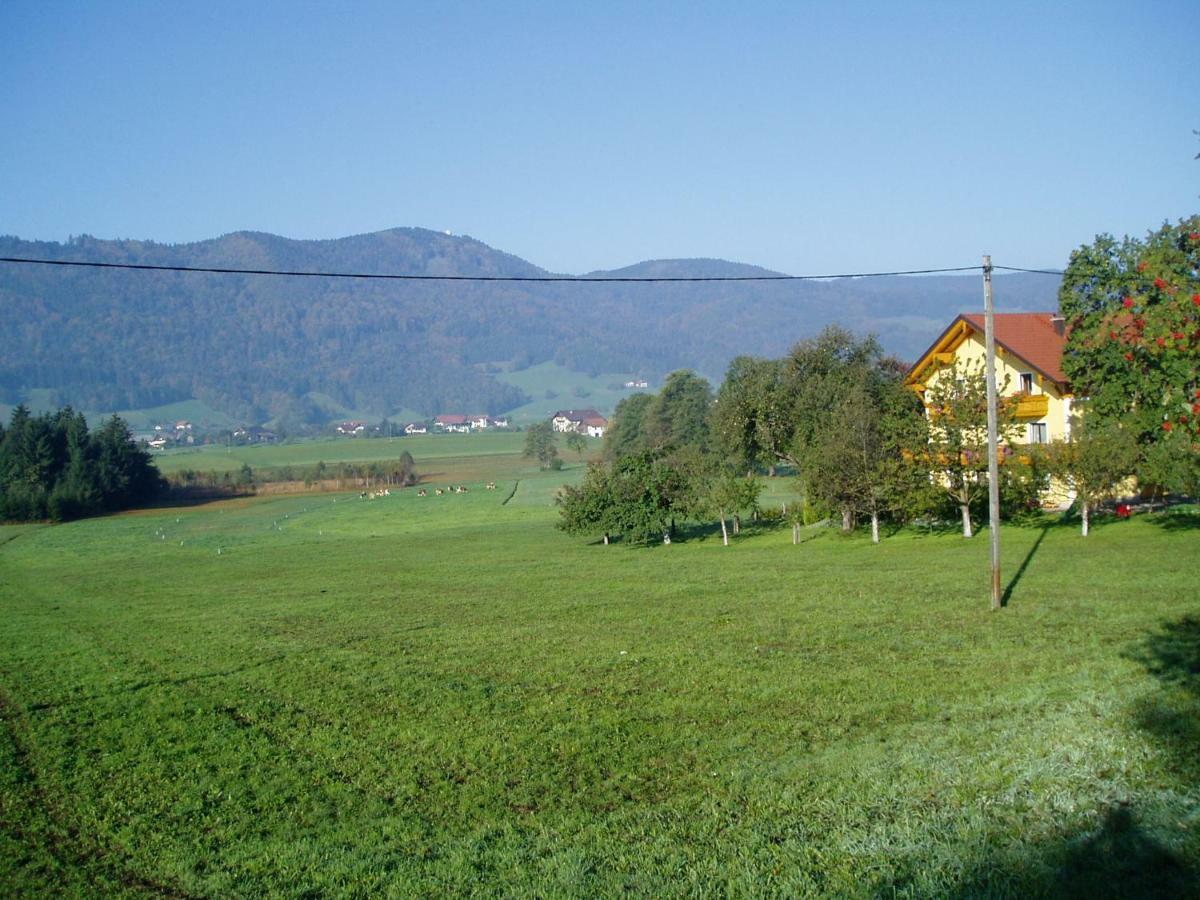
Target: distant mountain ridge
(256, 346)
(686, 268)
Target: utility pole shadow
(1008, 591)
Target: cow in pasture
(422, 493)
(439, 491)
(491, 485)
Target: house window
(1026, 382)
(1035, 433)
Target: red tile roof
(1031, 336)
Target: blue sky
(805, 137)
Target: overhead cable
(526, 278)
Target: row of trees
(835, 410)
(399, 472)
(52, 467)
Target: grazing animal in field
(491, 485)
(439, 491)
(422, 493)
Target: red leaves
(1129, 357)
(1128, 302)
(1167, 426)
(1160, 284)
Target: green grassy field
(423, 447)
(319, 694)
(574, 390)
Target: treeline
(835, 410)
(399, 472)
(53, 467)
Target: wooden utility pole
(989, 337)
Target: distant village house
(583, 421)
(452, 423)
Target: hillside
(256, 347)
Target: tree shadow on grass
(1178, 519)
(1120, 858)
(1130, 853)
(1172, 715)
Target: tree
(850, 414)
(749, 418)
(856, 463)
(539, 444)
(625, 433)
(590, 507)
(577, 442)
(729, 495)
(1095, 459)
(638, 497)
(1133, 345)
(956, 454)
(678, 415)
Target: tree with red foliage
(1133, 348)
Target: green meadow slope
(444, 695)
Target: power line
(1031, 271)
(527, 278)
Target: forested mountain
(254, 346)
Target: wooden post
(989, 329)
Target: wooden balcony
(1032, 406)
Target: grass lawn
(318, 694)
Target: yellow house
(1029, 350)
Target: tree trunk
(737, 524)
(1083, 512)
(847, 521)
(966, 517)
(666, 537)
(771, 471)
(874, 527)
(795, 532)
(724, 533)
(606, 539)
